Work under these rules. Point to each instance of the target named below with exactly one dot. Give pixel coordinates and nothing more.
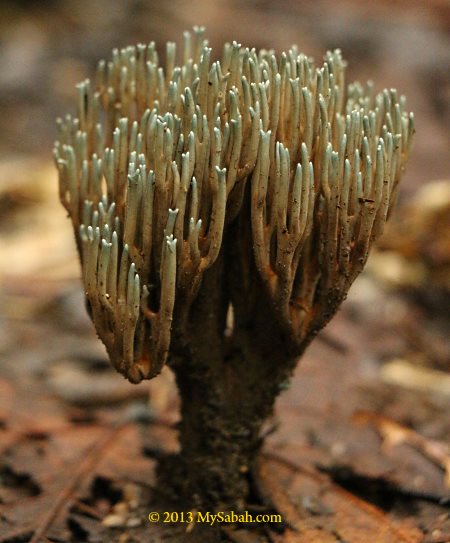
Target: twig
(394, 433)
(272, 492)
(87, 510)
(91, 458)
(361, 504)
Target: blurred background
(47, 47)
(388, 348)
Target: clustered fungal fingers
(160, 160)
(357, 158)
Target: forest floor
(358, 450)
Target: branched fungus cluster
(258, 161)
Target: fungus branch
(158, 161)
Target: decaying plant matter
(221, 211)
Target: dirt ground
(359, 449)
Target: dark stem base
(227, 390)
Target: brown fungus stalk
(221, 210)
